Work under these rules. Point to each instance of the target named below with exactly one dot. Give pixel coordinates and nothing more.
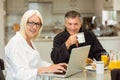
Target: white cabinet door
(108, 4)
(83, 6)
(116, 4)
(112, 43)
(2, 26)
(39, 0)
(61, 6)
(44, 47)
(16, 6)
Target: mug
(81, 37)
(99, 67)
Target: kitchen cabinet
(2, 26)
(116, 4)
(110, 43)
(39, 0)
(44, 47)
(83, 6)
(16, 6)
(108, 4)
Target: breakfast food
(89, 61)
(94, 66)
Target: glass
(114, 60)
(105, 59)
(32, 24)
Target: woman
(21, 57)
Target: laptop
(76, 64)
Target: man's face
(73, 25)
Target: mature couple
(22, 59)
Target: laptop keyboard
(60, 73)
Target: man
(65, 41)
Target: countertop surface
(84, 75)
(49, 38)
(109, 37)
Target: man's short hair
(72, 14)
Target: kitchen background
(53, 14)
(94, 13)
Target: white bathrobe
(22, 61)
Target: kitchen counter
(44, 39)
(48, 38)
(84, 75)
(45, 45)
(109, 37)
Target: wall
(118, 20)
(49, 18)
(2, 16)
(46, 10)
(98, 9)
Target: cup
(100, 77)
(114, 60)
(81, 37)
(105, 59)
(99, 67)
(114, 65)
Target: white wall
(2, 15)
(49, 17)
(98, 9)
(118, 19)
(46, 10)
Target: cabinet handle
(106, 0)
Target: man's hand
(72, 40)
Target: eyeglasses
(31, 24)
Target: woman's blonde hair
(25, 18)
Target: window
(109, 16)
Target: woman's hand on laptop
(54, 68)
(58, 68)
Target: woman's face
(33, 26)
